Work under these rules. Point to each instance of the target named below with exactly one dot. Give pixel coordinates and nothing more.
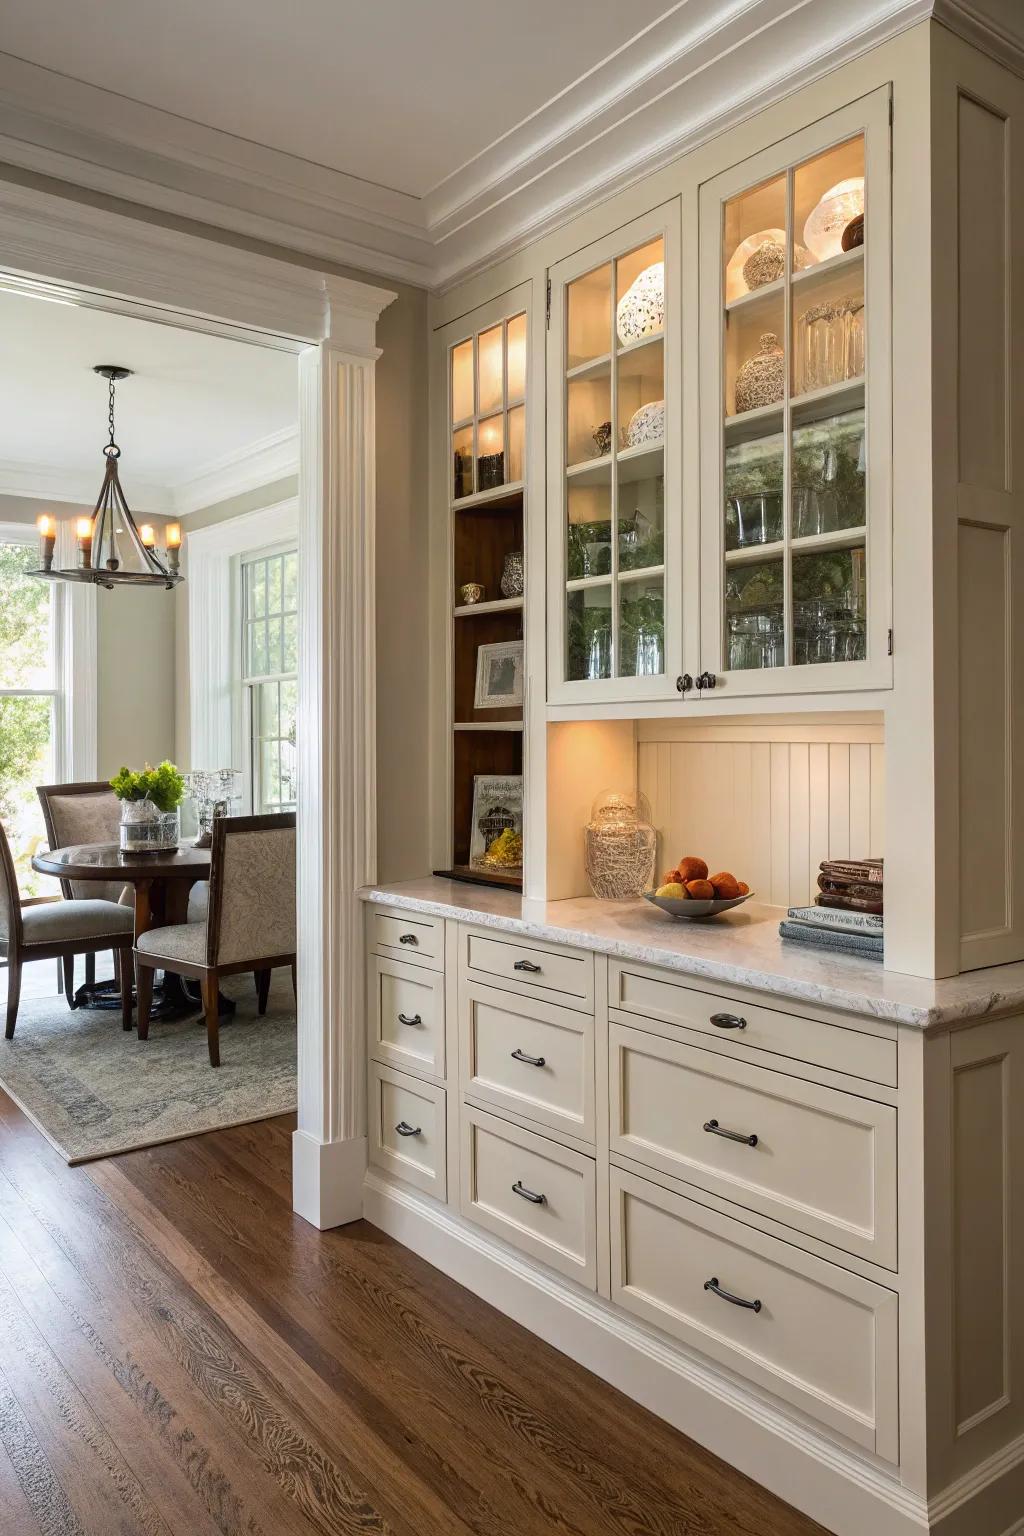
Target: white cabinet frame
(868, 116)
(664, 223)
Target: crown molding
(40, 482)
(698, 69)
(249, 468)
(244, 469)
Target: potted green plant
(150, 807)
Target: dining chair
(85, 812)
(250, 925)
(59, 930)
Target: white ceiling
(401, 92)
(195, 403)
(413, 139)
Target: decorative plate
(647, 425)
(641, 310)
(690, 911)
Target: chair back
(82, 813)
(10, 900)
(252, 889)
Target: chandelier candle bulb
(172, 538)
(147, 535)
(83, 533)
(47, 528)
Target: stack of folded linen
(847, 915)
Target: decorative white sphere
(641, 310)
(823, 232)
(647, 425)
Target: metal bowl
(691, 911)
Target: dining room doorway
(68, 253)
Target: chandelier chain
(110, 418)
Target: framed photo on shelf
(496, 836)
(499, 675)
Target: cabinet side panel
(985, 853)
(982, 319)
(980, 1232)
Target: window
(270, 675)
(30, 614)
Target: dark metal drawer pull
(531, 1061)
(718, 1130)
(737, 1301)
(407, 938)
(403, 1018)
(728, 1021)
(521, 1190)
(405, 1129)
(526, 965)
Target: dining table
(160, 883)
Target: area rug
(93, 1090)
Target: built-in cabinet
(788, 359)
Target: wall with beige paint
(135, 648)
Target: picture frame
(497, 805)
(499, 676)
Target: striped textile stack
(847, 914)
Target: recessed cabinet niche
(795, 405)
(613, 458)
(485, 362)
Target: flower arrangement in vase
(150, 807)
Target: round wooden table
(160, 882)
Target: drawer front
(408, 1015)
(818, 1160)
(407, 1129)
(564, 976)
(418, 939)
(823, 1338)
(529, 1056)
(635, 990)
(504, 1166)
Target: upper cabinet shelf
(795, 386)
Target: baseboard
(327, 1179)
(837, 1487)
(987, 1498)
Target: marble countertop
(741, 948)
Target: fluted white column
(336, 751)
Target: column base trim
(327, 1179)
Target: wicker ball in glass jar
(620, 846)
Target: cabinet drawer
(565, 976)
(823, 1338)
(504, 1166)
(417, 938)
(527, 1055)
(407, 1129)
(407, 1003)
(818, 1160)
(632, 989)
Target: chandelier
(112, 550)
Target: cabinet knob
(407, 938)
(706, 680)
(403, 1018)
(520, 1189)
(737, 1301)
(526, 965)
(531, 1061)
(684, 683)
(405, 1129)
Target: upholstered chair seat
(59, 930)
(249, 924)
(58, 920)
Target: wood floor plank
(191, 1359)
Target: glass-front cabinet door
(796, 411)
(614, 555)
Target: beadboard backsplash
(767, 799)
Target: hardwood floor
(181, 1356)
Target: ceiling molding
(704, 65)
(245, 469)
(249, 468)
(79, 487)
